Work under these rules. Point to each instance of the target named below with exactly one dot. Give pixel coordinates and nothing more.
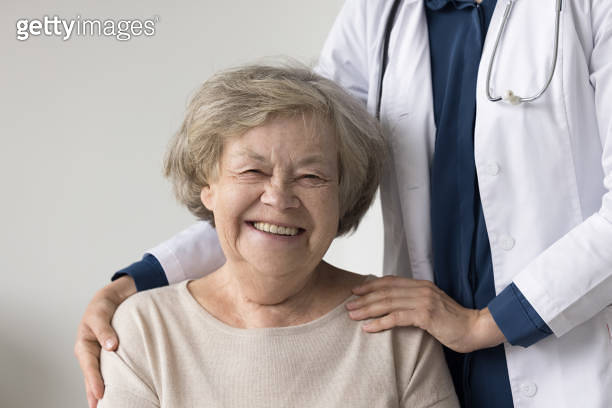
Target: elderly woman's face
(275, 200)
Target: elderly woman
(281, 161)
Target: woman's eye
(251, 174)
(312, 179)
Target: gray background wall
(84, 124)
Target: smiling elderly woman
(282, 161)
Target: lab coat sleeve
(190, 254)
(583, 257)
(344, 57)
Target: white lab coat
(544, 171)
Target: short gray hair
(233, 101)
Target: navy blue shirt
(461, 250)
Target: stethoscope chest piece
(511, 98)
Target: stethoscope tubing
(516, 99)
(384, 59)
(519, 99)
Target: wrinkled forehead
(310, 126)
(289, 135)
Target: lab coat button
(528, 389)
(506, 242)
(492, 169)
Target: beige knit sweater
(174, 354)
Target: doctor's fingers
(408, 311)
(95, 330)
(88, 354)
(391, 282)
(394, 319)
(97, 320)
(389, 295)
(444, 319)
(92, 401)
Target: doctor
(507, 206)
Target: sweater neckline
(337, 312)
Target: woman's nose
(279, 195)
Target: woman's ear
(207, 196)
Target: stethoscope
(510, 96)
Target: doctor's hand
(395, 301)
(95, 329)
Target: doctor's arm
(190, 254)
(582, 257)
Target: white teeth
(275, 229)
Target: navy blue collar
(459, 4)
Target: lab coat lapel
(407, 114)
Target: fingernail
(350, 305)
(109, 344)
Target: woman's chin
(275, 254)
(281, 266)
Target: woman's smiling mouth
(276, 229)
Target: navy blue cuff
(517, 319)
(147, 273)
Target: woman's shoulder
(142, 323)
(338, 278)
(146, 298)
(145, 309)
